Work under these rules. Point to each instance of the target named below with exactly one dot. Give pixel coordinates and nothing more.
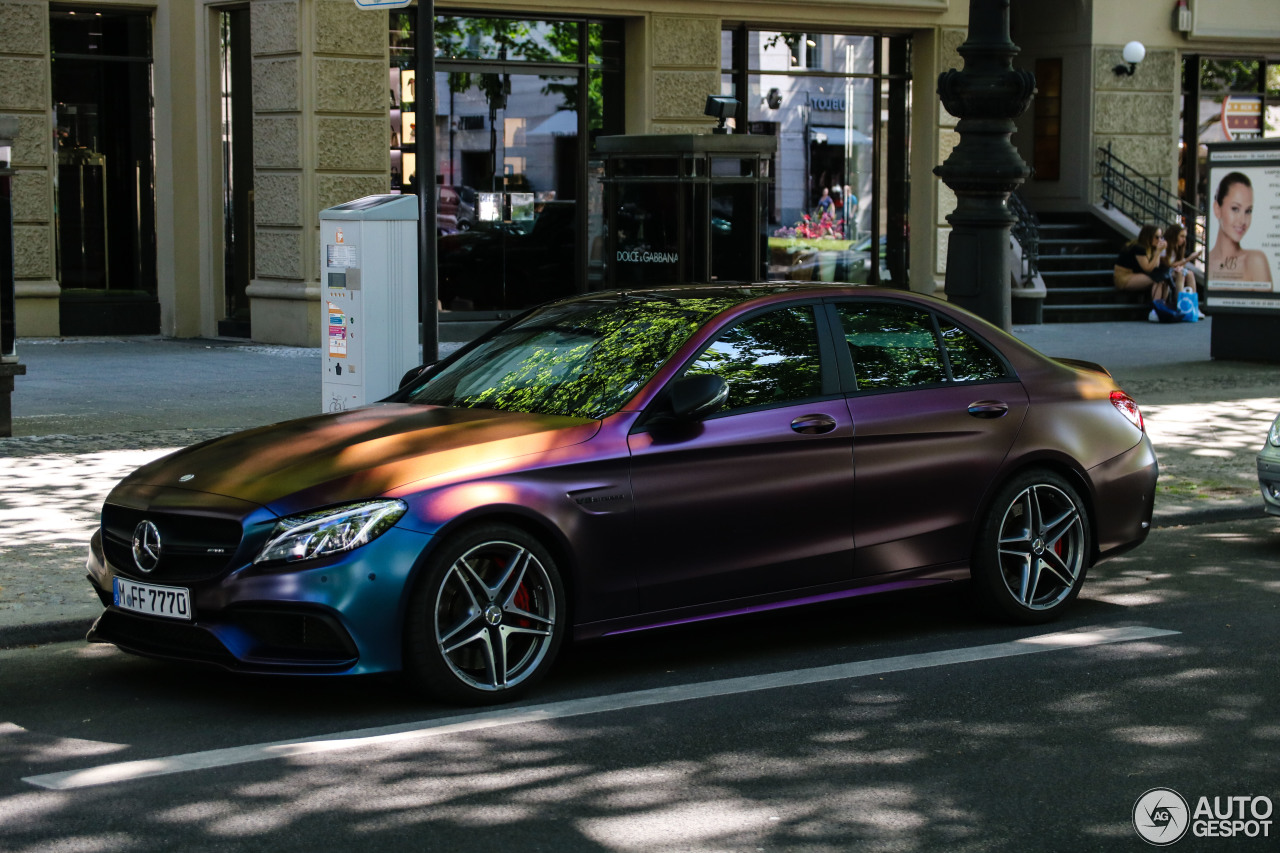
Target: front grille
(193, 547)
(266, 640)
(160, 638)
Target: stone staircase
(1076, 258)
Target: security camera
(720, 107)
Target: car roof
(736, 292)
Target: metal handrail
(1143, 199)
(1027, 232)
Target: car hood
(363, 453)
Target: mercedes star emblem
(146, 546)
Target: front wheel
(1032, 551)
(486, 618)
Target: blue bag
(1189, 306)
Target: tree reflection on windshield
(578, 359)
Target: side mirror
(414, 373)
(694, 397)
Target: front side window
(769, 360)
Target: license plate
(170, 602)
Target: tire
(486, 618)
(1032, 550)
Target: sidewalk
(91, 410)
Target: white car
(1269, 469)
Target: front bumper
(1269, 479)
(341, 615)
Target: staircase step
(1076, 257)
(1105, 276)
(1093, 313)
(1076, 291)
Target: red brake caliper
(522, 601)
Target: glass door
(105, 200)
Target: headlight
(330, 531)
(1274, 435)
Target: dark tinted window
(768, 360)
(971, 360)
(893, 346)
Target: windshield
(582, 359)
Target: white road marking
(126, 771)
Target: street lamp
(1133, 53)
(987, 95)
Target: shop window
(518, 105)
(839, 106)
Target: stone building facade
(319, 119)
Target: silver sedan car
(1269, 469)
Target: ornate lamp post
(987, 95)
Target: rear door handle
(813, 424)
(988, 409)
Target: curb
(44, 633)
(1208, 515)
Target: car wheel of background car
(486, 618)
(1032, 550)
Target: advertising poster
(1242, 266)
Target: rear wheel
(487, 617)
(1032, 551)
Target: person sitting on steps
(1140, 265)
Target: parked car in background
(456, 208)
(1269, 469)
(622, 461)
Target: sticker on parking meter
(342, 255)
(337, 332)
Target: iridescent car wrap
(655, 457)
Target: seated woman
(1140, 264)
(1177, 259)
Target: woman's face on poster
(1235, 213)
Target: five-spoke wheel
(486, 618)
(1032, 551)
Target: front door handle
(813, 424)
(988, 409)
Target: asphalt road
(935, 731)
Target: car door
(757, 498)
(935, 411)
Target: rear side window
(893, 346)
(769, 360)
(899, 346)
(971, 359)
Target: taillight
(1129, 408)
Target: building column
(320, 137)
(26, 95)
(685, 54)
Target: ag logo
(1161, 816)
